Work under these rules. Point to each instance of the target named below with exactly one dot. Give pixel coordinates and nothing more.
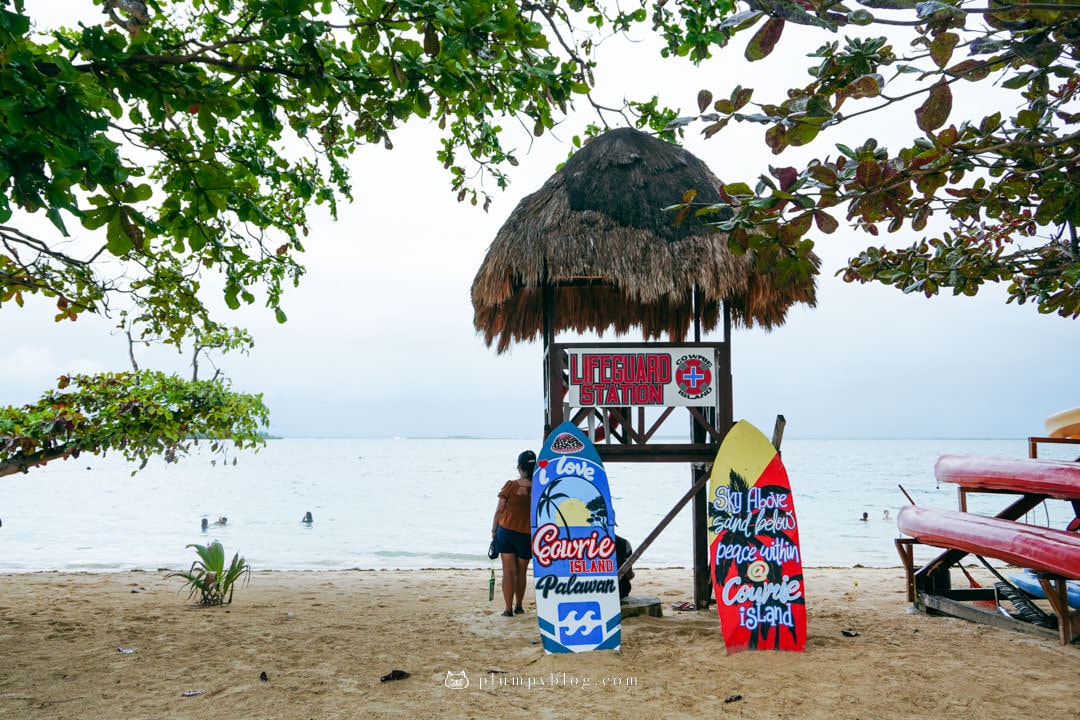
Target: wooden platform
(634, 606)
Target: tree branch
(22, 463)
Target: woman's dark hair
(527, 462)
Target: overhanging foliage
(138, 414)
(1007, 185)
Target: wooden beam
(705, 453)
(1033, 443)
(935, 603)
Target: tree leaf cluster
(175, 148)
(137, 414)
(193, 137)
(1004, 185)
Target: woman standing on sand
(510, 528)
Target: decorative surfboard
(575, 573)
(1065, 424)
(754, 552)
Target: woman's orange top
(515, 514)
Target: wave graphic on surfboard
(580, 623)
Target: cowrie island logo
(693, 376)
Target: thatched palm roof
(597, 230)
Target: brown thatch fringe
(599, 231)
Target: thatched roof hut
(598, 231)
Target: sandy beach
(131, 645)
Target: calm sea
(428, 503)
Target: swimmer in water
(205, 524)
(885, 516)
(865, 517)
(307, 518)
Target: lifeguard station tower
(597, 250)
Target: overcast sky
(380, 341)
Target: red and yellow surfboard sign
(754, 549)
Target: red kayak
(1028, 546)
(1053, 478)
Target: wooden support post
(702, 571)
(906, 548)
(778, 432)
(553, 383)
(1056, 591)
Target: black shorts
(514, 543)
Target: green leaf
(865, 86)
(860, 17)
(934, 112)
(941, 48)
(704, 99)
(1017, 81)
(802, 132)
(741, 20)
(972, 70)
(138, 193)
(738, 189)
(1028, 119)
(15, 24)
(765, 39)
(119, 243)
(825, 222)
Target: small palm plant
(209, 579)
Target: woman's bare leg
(509, 579)
(522, 576)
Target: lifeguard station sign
(667, 377)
